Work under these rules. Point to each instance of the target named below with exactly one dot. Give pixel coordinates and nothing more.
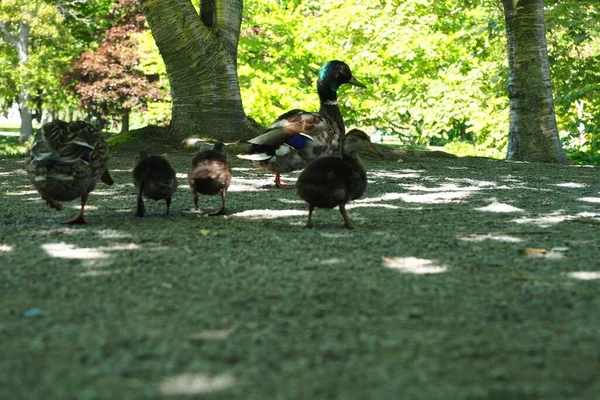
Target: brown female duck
(65, 162)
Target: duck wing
(296, 128)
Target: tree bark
(125, 122)
(533, 135)
(200, 53)
(21, 43)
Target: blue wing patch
(299, 141)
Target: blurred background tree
(38, 39)
(109, 80)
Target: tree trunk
(125, 124)
(533, 135)
(200, 53)
(22, 44)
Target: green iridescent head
(334, 74)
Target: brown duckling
(210, 175)
(154, 179)
(334, 181)
(66, 160)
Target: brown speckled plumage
(65, 162)
(210, 175)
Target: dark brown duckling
(154, 179)
(334, 181)
(210, 175)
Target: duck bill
(355, 82)
(375, 151)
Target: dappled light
(268, 214)
(473, 237)
(585, 275)
(590, 199)
(497, 207)
(191, 384)
(573, 185)
(553, 218)
(4, 248)
(21, 193)
(70, 251)
(376, 205)
(430, 198)
(413, 265)
(400, 174)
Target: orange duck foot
(282, 185)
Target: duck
(66, 159)
(155, 179)
(297, 136)
(333, 181)
(210, 175)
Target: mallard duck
(65, 162)
(154, 179)
(334, 181)
(210, 175)
(298, 136)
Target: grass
(437, 295)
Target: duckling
(298, 137)
(210, 175)
(155, 179)
(334, 181)
(65, 162)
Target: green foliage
(58, 32)
(431, 66)
(574, 47)
(425, 71)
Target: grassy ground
(467, 279)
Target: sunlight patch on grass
(22, 193)
(544, 221)
(394, 175)
(330, 235)
(413, 265)
(289, 201)
(571, 185)
(112, 234)
(590, 199)
(130, 170)
(69, 251)
(95, 273)
(497, 207)
(15, 172)
(585, 275)
(330, 261)
(473, 237)
(4, 248)
(268, 214)
(191, 384)
(377, 205)
(214, 334)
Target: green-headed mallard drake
(298, 136)
(210, 175)
(155, 179)
(66, 160)
(334, 181)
